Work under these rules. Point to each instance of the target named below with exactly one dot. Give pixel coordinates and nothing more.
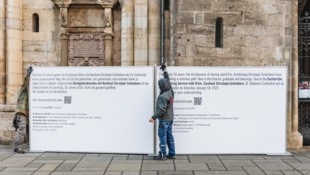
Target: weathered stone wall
(41, 48)
(2, 52)
(255, 32)
(49, 45)
(7, 131)
(23, 48)
(13, 48)
(140, 32)
(10, 63)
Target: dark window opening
(165, 27)
(304, 44)
(35, 23)
(166, 5)
(219, 32)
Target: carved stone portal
(86, 32)
(86, 49)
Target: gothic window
(219, 32)
(35, 22)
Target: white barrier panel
(236, 110)
(91, 109)
(223, 110)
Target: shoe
(161, 158)
(19, 150)
(170, 157)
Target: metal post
(162, 32)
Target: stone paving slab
(130, 165)
(238, 163)
(253, 171)
(158, 166)
(190, 166)
(275, 166)
(301, 166)
(220, 173)
(175, 172)
(123, 164)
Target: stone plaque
(86, 49)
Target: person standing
(20, 121)
(165, 116)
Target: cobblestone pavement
(122, 164)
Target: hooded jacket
(164, 106)
(22, 105)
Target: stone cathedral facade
(128, 33)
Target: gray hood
(164, 85)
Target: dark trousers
(21, 133)
(166, 138)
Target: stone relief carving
(63, 16)
(77, 17)
(86, 49)
(107, 21)
(86, 17)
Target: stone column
(14, 60)
(295, 138)
(154, 32)
(108, 50)
(2, 51)
(173, 17)
(127, 52)
(141, 33)
(64, 16)
(64, 36)
(108, 37)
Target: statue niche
(86, 49)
